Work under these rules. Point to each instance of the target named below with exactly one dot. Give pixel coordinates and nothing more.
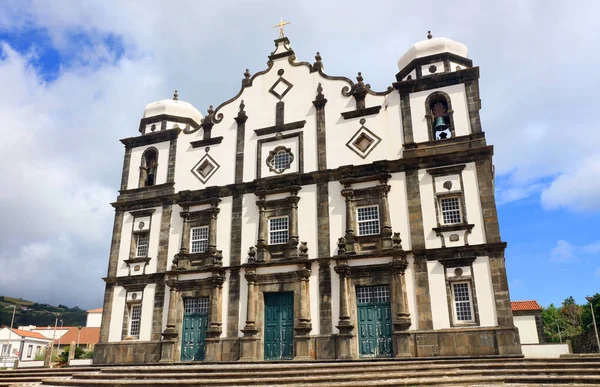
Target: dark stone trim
(453, 227)
(172, 160)
(473, 104)
(300, 158)
(361, 112)
(239, 148)
(106, 312)
(288, 52)
(439, 254)
(319, 104)
(152, 138)
(113, 260)
(135, 282)
(163, 238)
(207, 142)
(126, 166)
(142, 213)
(445, 171)
(364, 179)
(406, 118)
(163, 118)
(323, 236)
(234, 303)
(280, 128)
(417, 63)
(450, 145)
(485, 182)
(325, 310)
(132, 261)
(437, 81)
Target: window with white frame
(6, 349)
(463, 304)
(135, 319)
(29, 350)
(278, 230)
(198, 239)
(141, 244)
(368, 220)
(451, 211)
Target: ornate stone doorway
(374, 321)
(195, 323)
(279, 326)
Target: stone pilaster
(304, 326)
(115, 243)
(485, 181)
(325, 321)
(213, 333)
(345, 326)
(249, 343)
(319, 104)
(172, 158)
(386, 224)
(348, 193)
(106, 312)
(406, 118)
(401, 319)
(417, 237)
(262, 231)
(170, 333)
(126, 166)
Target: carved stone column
(348, 193)
(263, 231)
(304, 326)
(293, 238)
(345, 326)
(213, 333)
(386, 224)
(170, 333)
(401, 319)
(249, 343)
(180, 261)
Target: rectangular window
(29, 350)
(4, 349)
(463, 308)
(141, 243)
(38, 349)
(196, 305)
(134, 320)
(198, 239)
(451, 213)
(278, 230)
(368, 220)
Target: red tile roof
(525, 305)
(89, 335)
(97, 310)
(33, 335)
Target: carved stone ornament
(448, 185)
(252, 254)
(341, 245)
(397, 241)
(280, 159)
(303, 249)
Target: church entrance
(195, 323)
(279, 326)
(374, 321)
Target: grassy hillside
(32, 313)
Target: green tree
(555, 323)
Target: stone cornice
(167, 117)
(152, 138)
(436, 81)
(444, 56)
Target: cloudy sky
(75, 77)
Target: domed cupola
(169, 114)
(432, 56)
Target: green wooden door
(279, 326)
(195, 323)
(374, 321)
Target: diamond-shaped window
(205, 168)
(363, 142)
(280, 88)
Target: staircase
(451, 372)
(34, 376)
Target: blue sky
(76, 76)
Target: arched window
(148, 168)
(440, 123)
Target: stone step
(309, 382)
(217, 378)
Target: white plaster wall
(116, 316)
(94, 320)
(224, 228)
(250, 218)
(387, 125)
(307, 218)
(147, 311)
(462, 125)
(472, 209)
(337, 215)
(486, 302)
(544, 351)
(314, 299)
(409, 277)
(527, 329)
(437, 291)
(126, 235)
(224, 304)
(136, 161)
(439, 69)
(399, 208)
(243, 306)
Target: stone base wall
(127, 352)
(472, 342)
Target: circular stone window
(280, 159)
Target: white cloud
(563, 252)
(577, 189)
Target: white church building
(310, 217)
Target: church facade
(310, 217)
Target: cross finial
(429, 36)
(281, 24)
(175, 95)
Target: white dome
(173, 107)
(431, 47)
